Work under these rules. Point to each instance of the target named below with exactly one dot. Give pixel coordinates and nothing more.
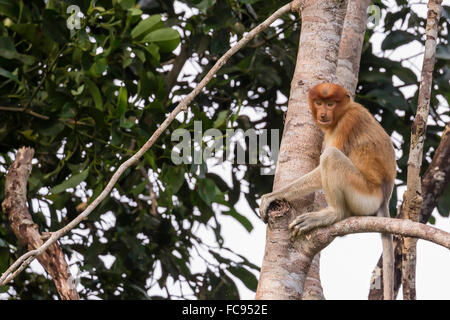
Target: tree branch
(320, 238)
(352, 40)
(26, 259)
(15, 207)
(413, 198)
(23, 109)
(309, 245)
(434, 182)
(437, 177)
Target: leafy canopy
(88, 99)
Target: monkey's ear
(347, 95)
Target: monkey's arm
(304, 185)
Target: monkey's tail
(388, 257)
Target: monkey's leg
(359, 198)
(347, 192)
(304, 185)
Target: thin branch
(275, 35)
(24, 260)
(154, 208)
(413, 199)
(30, 112)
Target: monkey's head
(328, 103)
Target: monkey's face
(324, 112)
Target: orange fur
(352, 135)
(356, 170)
(355, 132)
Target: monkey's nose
(322, 116)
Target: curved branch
(21, 221)
(320, 238)
(26, 259)
(30, 112)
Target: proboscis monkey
(357, 170)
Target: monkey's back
(360, 136)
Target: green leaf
(122, 106)
(167, 39)
(30, 134)
(8, 51)
(153, 49)
(396, 39)
(204, 5)
(138, 189)
(221, 119)
(122, 101)
(95, 93)
(9, 8)
(126, 4)
(34, 35)
(146, 26)
(72, 182)
(443, 52)
(58, 200)
(175, 178)
(134, 12)
(78, 91)
(243, 220)
(83, 40)
(247, 278)
(126, 123)
(207, 190)
(9, 75)
(140, 54)
(55, 26)
(405, 74)
(98, 68)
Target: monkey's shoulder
(362, 127)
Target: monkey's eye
(331, 104)
(319, 103)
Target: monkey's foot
(305, 223)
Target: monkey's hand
(266, 201)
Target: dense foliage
(87, 99)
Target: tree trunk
(15, 206)
(413, 199)
(351, 44)
(284, 267)
(350, 48)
